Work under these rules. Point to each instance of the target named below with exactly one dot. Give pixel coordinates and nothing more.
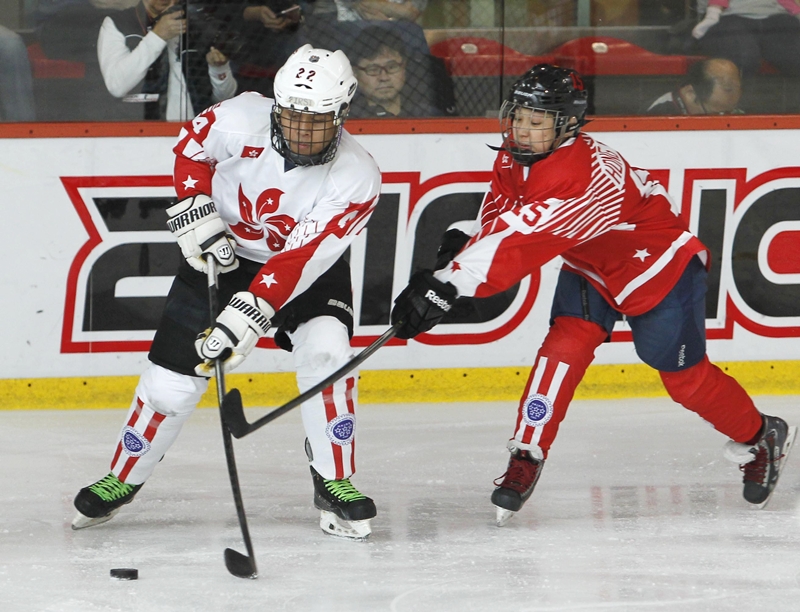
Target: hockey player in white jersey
(275, 191)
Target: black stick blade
(240, 565)
(233, 414)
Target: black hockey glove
(452, 242)
(422, 304)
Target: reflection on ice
(636, 510)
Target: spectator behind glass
(710, 87)
(271, 31)
(142, 60)
(380, 62)
(16, 81)
(379, 10)
(747, 31)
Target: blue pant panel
(669, 337)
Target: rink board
(91, 260)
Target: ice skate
(763, 461)
(346, 513)
(101, 501)
(516, 485)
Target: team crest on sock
(341, 429)
(538, 409)
(134, 443)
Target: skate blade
(81, 521)
(350, 530)
(787, 447)
(503, 515)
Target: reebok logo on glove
(432, 296)
(190, 216)
(422, 304)
(251, 312)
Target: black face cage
(281, 144)
(523, 155)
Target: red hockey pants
(561, 363)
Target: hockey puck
(125, 573)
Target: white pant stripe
(552, 393)
(537, 379)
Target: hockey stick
(242, 566)
(233, 410)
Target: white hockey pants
(322, 346)
(164, 400)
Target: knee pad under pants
(560, 365)
(320, 347)
(715, 396)
(163, 401)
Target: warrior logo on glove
(242, 322)
(251, 312)
(201, 232)
(195, 213)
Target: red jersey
(610, 222)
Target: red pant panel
(560, 365)
(717, 397)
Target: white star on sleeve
(189, 183)
(268, 280)
(643, 254)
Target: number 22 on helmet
(313, 91)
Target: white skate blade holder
(787, 447)
(82, 521)
(351, 530)
(503, 515)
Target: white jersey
(296, 220)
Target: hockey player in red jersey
(275, 191)
(557, 191)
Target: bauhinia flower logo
(259, 220)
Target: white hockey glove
(710, 20)
(201, 232)
(238, 327)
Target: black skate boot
(766, 458)
(516, 485)
(345, 512)
(101, 501)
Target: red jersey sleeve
(194, 167)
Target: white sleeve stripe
(601, 225)
(193, 149)
(609, 214)
(604, 199)
(474, 267)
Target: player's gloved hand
(452, 242)
(201, 232)
(241, 323)
(422, 304)
(710, 20)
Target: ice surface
(636, 510)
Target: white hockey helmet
(312, 82)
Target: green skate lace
(344, 490)
(110, 488)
